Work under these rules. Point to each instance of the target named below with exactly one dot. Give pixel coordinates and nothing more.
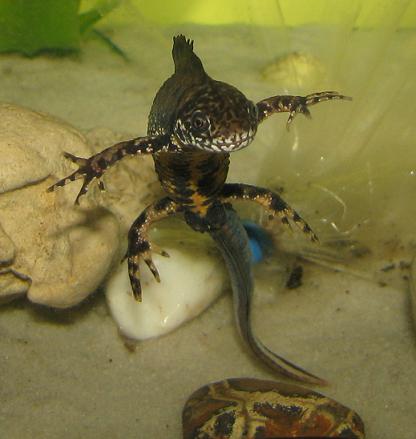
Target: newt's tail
(233, 243)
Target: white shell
(190, 282)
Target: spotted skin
(294, 104)
(140, 247)
(271, 201)
(95, 166)
(194, 124)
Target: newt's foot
(88, 170)
(139, 246)
(271, 201)
(141, 250)
(134, 270)
(294, 104)
(300, 104)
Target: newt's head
(216, 117)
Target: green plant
(56, 26)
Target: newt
(194, 124)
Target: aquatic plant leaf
(39, 25)
(89, 18)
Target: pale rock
(51, 250)
(12, 285)
(7, 248)
(58, 253)
(190, 281)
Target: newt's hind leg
(139, 246)
(271, 201)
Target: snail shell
(248, 408)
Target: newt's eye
(200, 122)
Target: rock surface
(179, 297)
(57, 253)
(50, 250)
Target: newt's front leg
(139, 246)
(95, 166)
(271, 201)
(294, 104)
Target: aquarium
(81, 356)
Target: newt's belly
(192, 179)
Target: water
(350, 171)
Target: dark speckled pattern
(194, 124)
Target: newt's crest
(186, 62)
(211, 115)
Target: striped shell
(247, 408)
